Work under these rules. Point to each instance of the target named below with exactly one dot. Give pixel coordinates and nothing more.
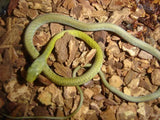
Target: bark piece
(155, 34)
(126, 112)
(118, 4)
(145, 55)
(108, 115)
(73, 49)
(140, 65)
(23, 10)
(19, 110)
(41, 111)
(119, 16)
(69, 92)
(13, 36)
(50, 95)
(89, 93)
(5, 72)
(62, 70)
(43, 5)
(69, 4)
(84, 58)
(145, 111)
(60, 112)
(44, 80)
(61, 48)
(132, 50)
(115, 81)
(17, 92)
(2, 99)
(134, 83)
(156, 77)
(146, 83)
(41, 37)
(98, 97)
(135, 91)
(95, 107)
(91, 115)
(90, 56)
(139, 12)
(127, 64)
(112, 50)
(2, 31)
(97, 89)
(55, 28)
(81, 113)
(130, 76)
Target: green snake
(40, 65)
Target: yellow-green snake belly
(40, 66)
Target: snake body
(40, 64)
(95, 68)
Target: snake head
(35, 69)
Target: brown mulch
(128, 68)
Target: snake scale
(40, 64)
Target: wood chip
(89, 93)
(119, 16)
(108, 115)
(126, 112)
(17, 92)
(130, 76)
(145, 111)
(132, 50)
(69, 92)
(73, 49)
(115, 81)
(50, 95)
(155, 77)
(145, 55)
(62, 70)
(5, 72)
